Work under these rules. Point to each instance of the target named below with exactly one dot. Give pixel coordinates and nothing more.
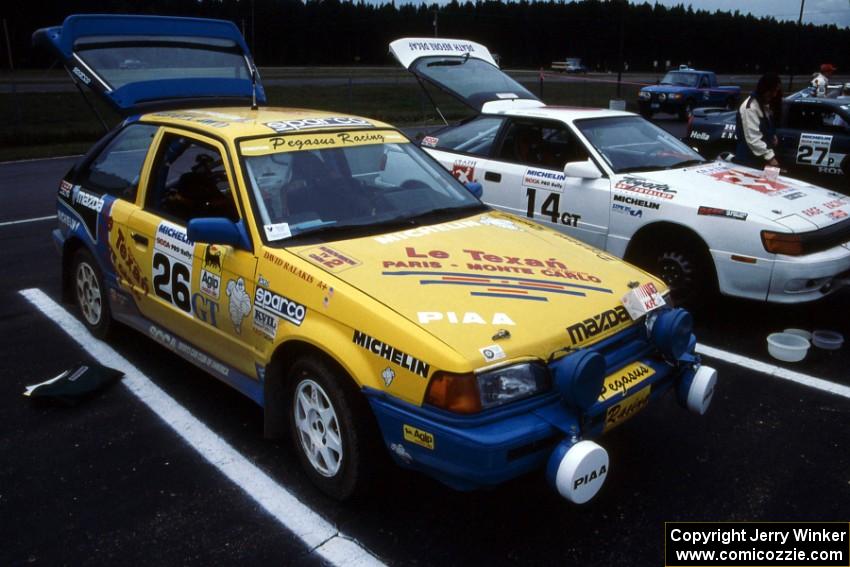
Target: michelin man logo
(240, 303)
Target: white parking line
(24, 221)
(776, 371)
(316, 532)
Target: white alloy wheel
(89, 294)
(318, 428)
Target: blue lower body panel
(488, 449)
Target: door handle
(140, 238)
(492, 176)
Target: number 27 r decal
(550, 207)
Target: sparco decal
(595, 325)
(391, 353)
(283, 126)
(80, 75)
(280, 306)
(645, 187)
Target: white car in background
(616, 181)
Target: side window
(117, 168)
(476, 137)
(545, 144)
(815, 119)
(703, 82)
(189, 180)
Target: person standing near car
(755, 124)
(821, 80)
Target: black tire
(685, 266)
(686, 111)
(352, 425)
(89, 294)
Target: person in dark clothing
(755, 124)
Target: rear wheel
(332, 428)
(90, 294)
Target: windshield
(358, 180)
(679, 78)
(630, 143)
(132, 59)
(474, 80)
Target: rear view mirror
(475, 188)
(218, 230)
(582, 170)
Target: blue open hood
(141, 63)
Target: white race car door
(526, 177)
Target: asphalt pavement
(109, 482)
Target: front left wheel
(332, 428)
(89, 294)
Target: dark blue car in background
(681, 91)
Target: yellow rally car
(334, 273)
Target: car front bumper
(470, 452)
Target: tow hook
(577, 470)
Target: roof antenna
(254, 87)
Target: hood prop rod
(88, 102)
(431, 99)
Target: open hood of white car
(464, 69)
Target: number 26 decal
(171, 281)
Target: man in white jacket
(755, 126)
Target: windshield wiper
(401, 221)
(436, 214)
(687, 162)
(636, 168)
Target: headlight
(676, 96)
(662, 96)
(644, 95)
(512, 383)
(783, 243)
(471, 393)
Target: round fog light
(702, 390)
(578, 471)
(579, 378)
(671, 332)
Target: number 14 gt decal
(550, 207)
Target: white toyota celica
(620, 183)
